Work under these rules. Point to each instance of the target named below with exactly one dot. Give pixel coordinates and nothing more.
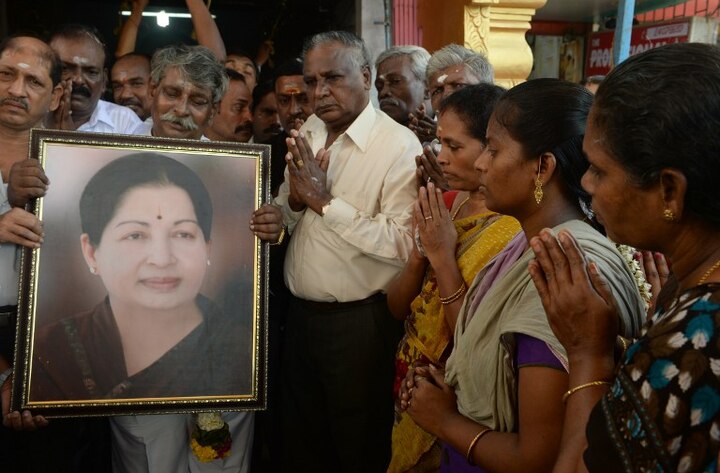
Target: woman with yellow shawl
(449, 252)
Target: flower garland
(628, 254)
(211, 439)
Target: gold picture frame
(148, 294)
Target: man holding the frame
(187, 84)
(30, 88)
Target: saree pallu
(480, 368)
(662, 413)
(427, 335)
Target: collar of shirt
(100, 114)
(358, 131)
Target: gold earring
(669, 215)
(538, 190)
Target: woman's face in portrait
(458, 153)
(152, 254)
(506, 177)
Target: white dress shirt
(364, 239)
(112, 118)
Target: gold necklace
(459, 207)
(710, 270)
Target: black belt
(8, 316)
(330, 306)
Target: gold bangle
(572, 391)
(280, 238)
(450, 299)
(474, 441)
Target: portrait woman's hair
(107, 188)
(549, 116)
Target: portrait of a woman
(146, 235)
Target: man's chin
(243, 136)
(79, 104)
(139, 111)
(396, 113)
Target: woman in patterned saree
(456, 247)
(653, 144)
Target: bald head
(39, 48)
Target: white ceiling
(590, 10)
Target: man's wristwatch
(326, 207)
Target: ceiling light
(163, 19)
(168, 15)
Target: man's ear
(55, 97)
(367, 77)
(152, 90)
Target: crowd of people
(466, 278)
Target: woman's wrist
(585, 368)
(448, 424)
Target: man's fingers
(305, 149)
(324, 159)
(267, 235)
(293, 149)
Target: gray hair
(418, 58)
(454, 54)
(361, 56)
(197, 63)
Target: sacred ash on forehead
(441, 79)
(291, 87)
(23, 65)
(80, 60)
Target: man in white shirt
(30, 88)
(347, 199)
(187, 84)
(82, 53)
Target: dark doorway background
(244, 24)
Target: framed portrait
(149, 291)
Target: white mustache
(185, 122)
